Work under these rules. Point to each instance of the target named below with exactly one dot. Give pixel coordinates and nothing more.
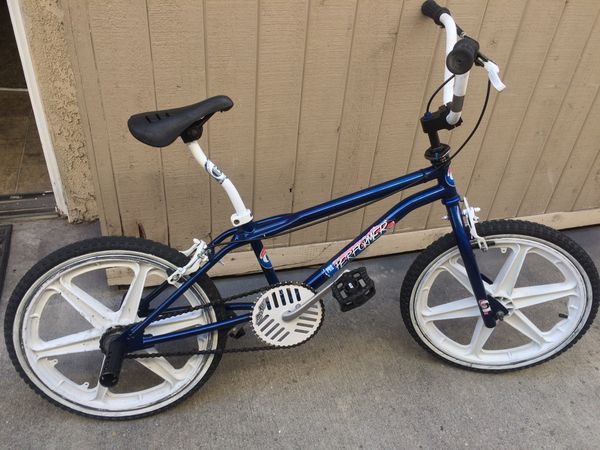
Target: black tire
(496, 228)
(171, 256)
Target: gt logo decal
(450, 178)
(485, 306)
(264, 259)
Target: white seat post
(242, 214)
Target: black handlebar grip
(462, 57)
(432, 10)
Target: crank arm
(301, 307)
(113, 362)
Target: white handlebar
(451, 38)
(455, 90)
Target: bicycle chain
(216, 351)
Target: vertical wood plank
(572, 34)
(574, 175)
(589, 196)
(526, 61)
(179, 78)
(92, 116)
(567, 127)
(370, 62)
(231, 49)
(497, 35)
(413, 55)
(330, 30)
(282, 38)
(127, 87)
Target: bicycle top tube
(266, 228)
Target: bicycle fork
(489, 308)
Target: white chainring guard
(267, 319)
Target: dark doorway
(22, 166)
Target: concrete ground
(362, 382)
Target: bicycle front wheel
(63, 306)
(546, 281)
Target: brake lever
(492, 70)
(494, 75)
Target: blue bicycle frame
(252, 233)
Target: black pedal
(353, 289)
(237, 332)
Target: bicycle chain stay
(216, 351)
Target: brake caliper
(198, 257)
(472, 219)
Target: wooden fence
(327, 99)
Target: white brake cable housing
(472, 219)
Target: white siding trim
(16, 17)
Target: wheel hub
(507, 303)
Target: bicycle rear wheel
(59, 311)
(546, 281)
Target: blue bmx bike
(120, 327)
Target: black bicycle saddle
(161, 128)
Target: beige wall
(328, 95)
(45, 30)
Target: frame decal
(449, 178)
(264, 260)
(359, 246)
(212, 169)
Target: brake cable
(438, 90)
(485, 103)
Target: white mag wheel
(544, 279)
(63, 306)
